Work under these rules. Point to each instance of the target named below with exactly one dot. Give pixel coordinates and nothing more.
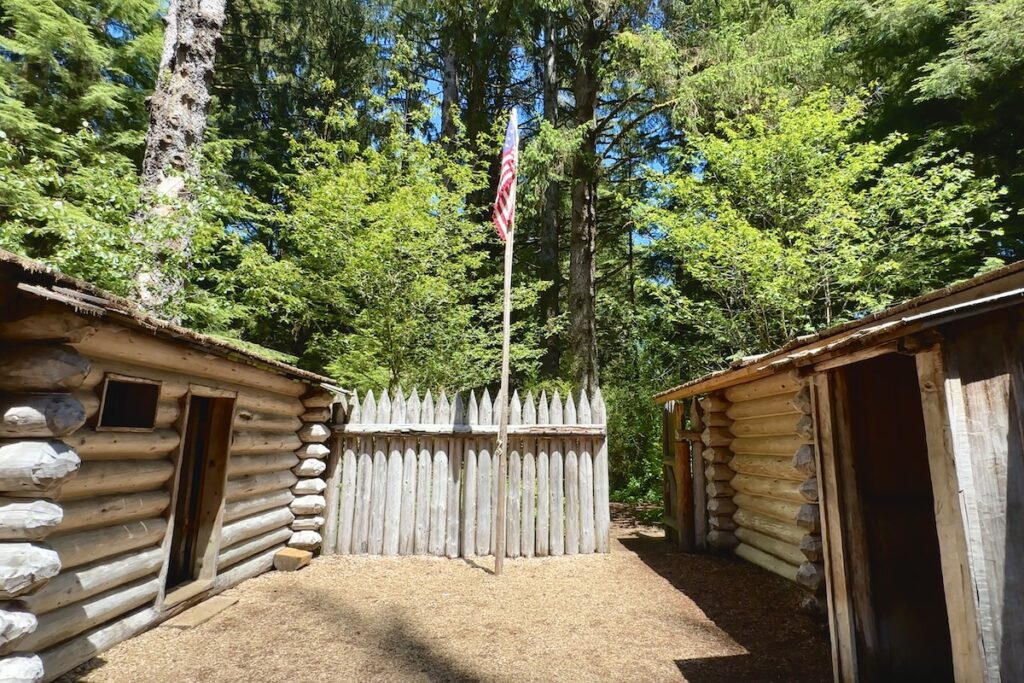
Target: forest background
(699, 180)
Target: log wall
(763, 492)
(83, 512)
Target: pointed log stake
(499, 555)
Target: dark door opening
(899, 601)
(200, 489)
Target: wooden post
(683, 478)
(700, 502)
(499, 555)
(668, 467)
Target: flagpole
(499, 552)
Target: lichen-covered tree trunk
(177, 122)
(583, 234)
(550, 228)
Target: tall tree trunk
(449, 88)
(177, 122)
(583, 233)
(549, 253)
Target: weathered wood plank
(543, 543)
(572, 499)
(364, 490)
(513, 500)
(393, 501)
(469, 495)
(424, 466)
(586, 482)
(483, 499)
(346, 512)
(454, 532)
(378, 494)
(528, 517)
(407, 523)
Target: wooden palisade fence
(412, 476)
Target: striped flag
(505, 204)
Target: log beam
(25, 567)
(42, 368)
(39, 415)
(34, 467)
(82, 547)
(23, 519)
(117, 476)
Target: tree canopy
(698, 179)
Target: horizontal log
(309, 486)
(254, 566)
(21, 668)
(782, 510)
(811, 576)
(25, 567)
(263, 442)
(789, 533)
(312, 450)
(308, 523)
(132, 346)
(80, 583)
(717, 420)
(66, 656)
(721, 506)
(809, 489)
(308, 505)
(93, 445)
(808, 518)
(812, 548)
(42, 368)
(316, 415)
(67, 622)
(770, 488)
(255, 525)
(804, 461)
(305, 540)
(268, 403)
(715, 472)
(242, 465)
(767, 561)
(722, 540)
(23, 519)
(49, 322)
(719, 488)
(310, 467)
(768, 445)
(779, 383)
(247, 506)
(314, 432)
(780, 404)
(774, 466)
(362, 429)
(715, 403)
(772, 425)
(786, 552)
(247, 487)
(257, 422)
(319, 398)
(15, 626)
(39, 415)
(35, 466)
(82, 547)
(717, 455)
(248, 548)
(101, 511)
(723, 522)
(102, 477)
(716, 436)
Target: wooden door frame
(948, 463)
(208, 562)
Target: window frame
(127, 379)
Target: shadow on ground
(746, 602)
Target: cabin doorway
(888, 523)
(199, 495)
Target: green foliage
(794, 223)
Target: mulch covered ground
(639, 614)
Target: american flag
(505, 204)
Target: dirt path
(638, 614)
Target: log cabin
(880, 465)
(143, 468)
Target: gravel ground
(639, 614)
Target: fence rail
(413, 476)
